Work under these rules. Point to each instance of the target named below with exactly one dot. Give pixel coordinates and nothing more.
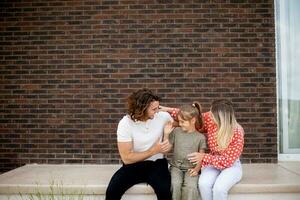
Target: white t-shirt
(143, 135)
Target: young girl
(221, 167)
(185, 139)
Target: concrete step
(72, 182)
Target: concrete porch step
(260, 181)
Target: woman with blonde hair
(221, 167)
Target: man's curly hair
(138, 102)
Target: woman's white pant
(214, 184)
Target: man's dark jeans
(155, 173)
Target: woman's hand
(195, 157)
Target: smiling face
(152, 109)
(187, 125)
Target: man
(141, 148)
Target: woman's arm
(227, 156)
(165, 108)
(197, 168)
(172, 111)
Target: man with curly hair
(141, 148)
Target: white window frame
(282, 106)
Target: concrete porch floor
(260, 181)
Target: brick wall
(67, 66)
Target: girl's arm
(168, 128)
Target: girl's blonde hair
(223, 114)
(188, 112)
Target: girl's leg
(206, 182)
(176, 181)
(227, 178)
(190, 187)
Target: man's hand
(165, 146)
(161, 147)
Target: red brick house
(66, 68)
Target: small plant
(56, 193)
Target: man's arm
(128, 156)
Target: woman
(221, 167)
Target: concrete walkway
(260, 181)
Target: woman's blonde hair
(188, 112)
(223, 114)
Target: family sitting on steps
(206, 149)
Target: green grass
(56, 193)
